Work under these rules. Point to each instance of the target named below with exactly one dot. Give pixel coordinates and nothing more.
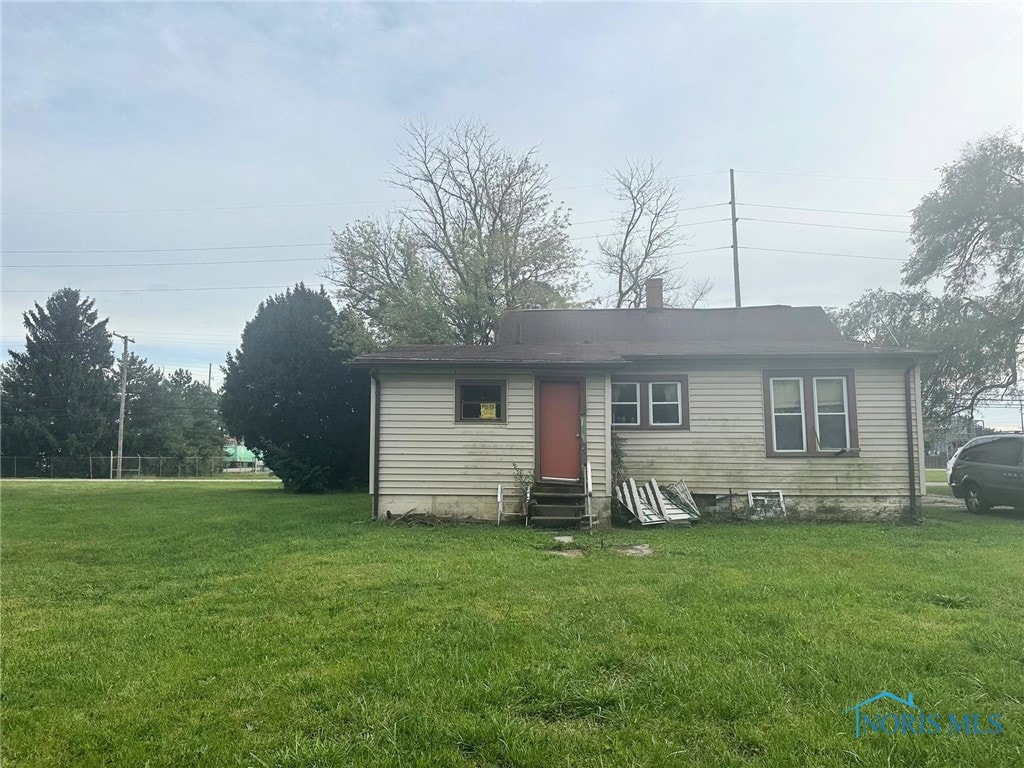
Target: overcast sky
(279, 122)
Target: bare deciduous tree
(648, 232)
(480, 235)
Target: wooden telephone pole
(735, 238)
(124, 393)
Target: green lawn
(229, 624)
(936, 482)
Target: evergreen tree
(291, 393)
(174, 416)
(145, 415)
(193, 421)
(59, 397)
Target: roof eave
(892, 353)
(488, 363)
(866, 354)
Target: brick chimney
(653, 291)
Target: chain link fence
(105, 467)
(942, 442)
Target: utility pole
(124, 393)
(209, 378)
(735, 239)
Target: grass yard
(935, 480)
(229, 624)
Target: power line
(170, 337)
(278, 287)
(695, 223)
(828, 176)
(587, 237)
(678, 210)
(827, 226)
(699, 250)
(160, 263)
(174, 250)
(160, 290)
(142, 338)
(822, 253)
(609, 183)
(684, 224)
(257, 246)
(190, 342)
(828, 210)
(698, 207)
(176, 334)
(263, 287)
(134, 409)
(207, 208)
(265, 206)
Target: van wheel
(974, 501)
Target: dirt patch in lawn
(571, 553)
(636, 550)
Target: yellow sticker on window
(488, 410)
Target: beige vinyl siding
(424, 451)
(598, 435)
(725, 446)
(373, 432)
(922, 484)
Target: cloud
(180, 106)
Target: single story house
(729, 400)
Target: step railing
(588, 491)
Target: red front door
(558, 429)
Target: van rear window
(1004, 451)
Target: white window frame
(803, 414)
(678, 402)
(846, 411)
(636, 404)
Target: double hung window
(651, 403)
(809, 414)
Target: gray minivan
(989, 472)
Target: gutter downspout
(911, 460)
(375, 458)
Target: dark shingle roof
(618, 336)
(744, 330)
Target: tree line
(482, 234)
(61, 395)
